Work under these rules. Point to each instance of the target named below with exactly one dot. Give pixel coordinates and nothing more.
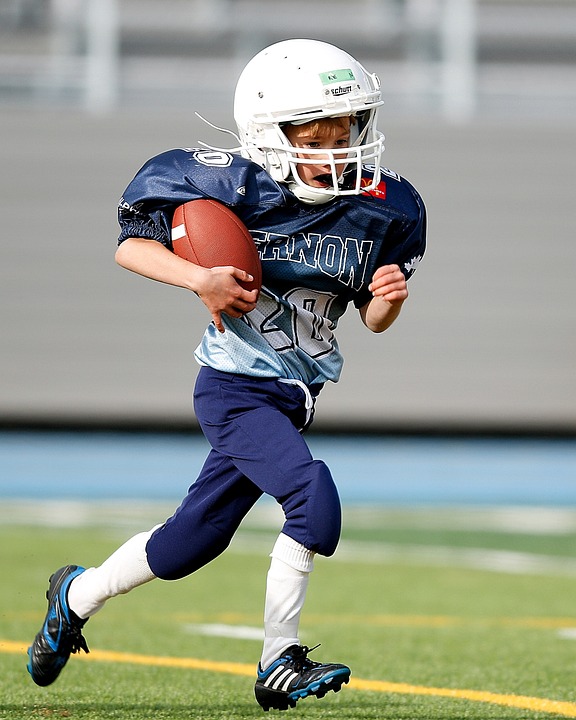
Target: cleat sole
(278, 700)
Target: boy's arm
(389, 291)
(216, 287)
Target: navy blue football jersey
(316, 259)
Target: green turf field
(441, 615)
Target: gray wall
(487, 339)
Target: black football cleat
(294, 676)
(61, 633)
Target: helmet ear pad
(268, 152)
(276, 164)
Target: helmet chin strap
(309, 196)
(306, 193)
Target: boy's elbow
(121, 254)
(118, 257)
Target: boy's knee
(315, 518)
(325, 512)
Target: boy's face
(324, 134)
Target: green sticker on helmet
(336, 76)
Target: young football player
(333, 227)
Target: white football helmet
(296, 81)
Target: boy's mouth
(324, 180)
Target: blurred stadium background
(480, 115)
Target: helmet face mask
(298, 81)
(345, 165)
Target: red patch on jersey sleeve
(379, 191)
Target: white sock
(286, 586)
(124, 570)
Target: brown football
(209, 234)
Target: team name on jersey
(343, 258)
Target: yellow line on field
(7, 646)
(565, 709)
(523, 702)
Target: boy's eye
(315, 144)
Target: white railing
(435, 68)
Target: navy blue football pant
(252, 425)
